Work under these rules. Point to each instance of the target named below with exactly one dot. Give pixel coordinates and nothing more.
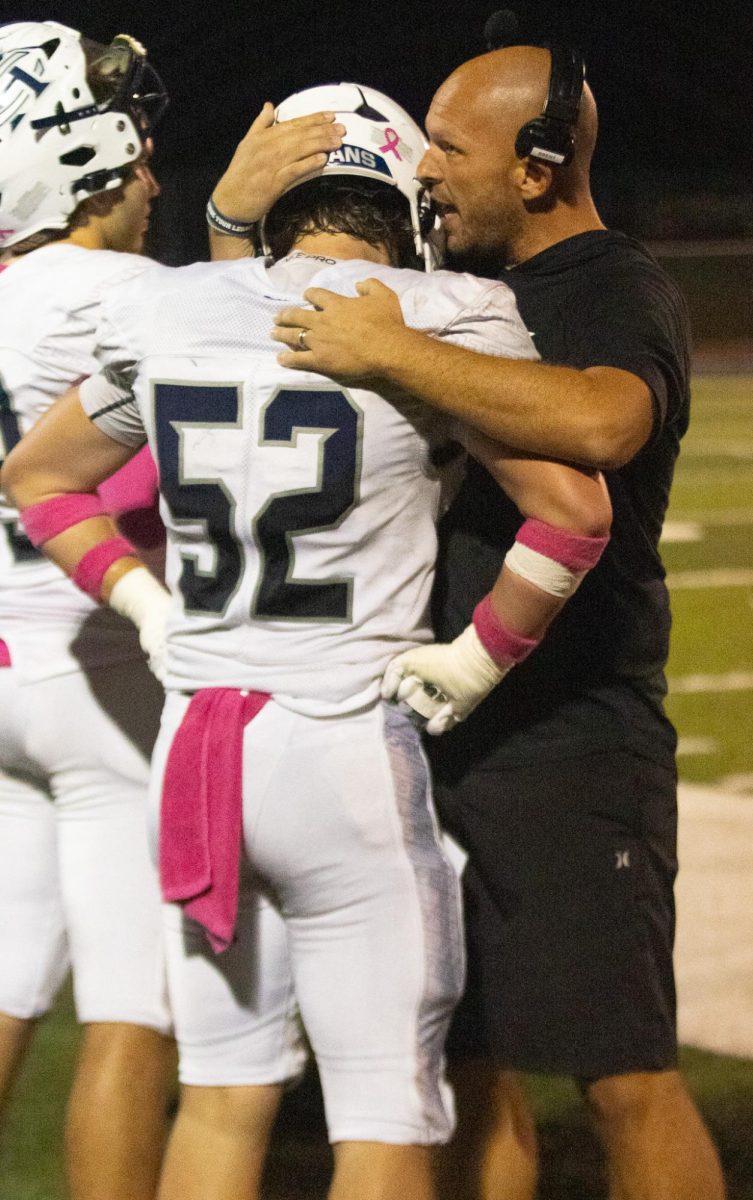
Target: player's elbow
(10, 478)
(584, 506)
(20, 484)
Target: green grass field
(710, 563)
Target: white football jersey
(300, 514)
(49, 305)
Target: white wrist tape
(138, 596)
(552, 559)
(543, 572)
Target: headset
(551, 137)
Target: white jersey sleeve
(49, 308)
(300, 514)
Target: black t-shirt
(597, 680)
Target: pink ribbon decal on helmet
(392, 143)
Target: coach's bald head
(489, 198)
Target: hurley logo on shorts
(356, 156)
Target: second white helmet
(68, 128)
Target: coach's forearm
(599, 417)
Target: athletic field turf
(710, 562)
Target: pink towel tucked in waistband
(4, 654)
(202, 809)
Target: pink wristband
(93, 566)
(50, 517)
(500, 643)
(570, 550)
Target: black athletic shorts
(569, 915)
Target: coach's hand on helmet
(272, 158)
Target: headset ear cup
(545, 140)
(524, 140)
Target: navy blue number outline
(326, 410)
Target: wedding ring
(302, 339)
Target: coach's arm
(600, 416)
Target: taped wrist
(553, 560)
(137, 595)
(47, 519)
(92, 567)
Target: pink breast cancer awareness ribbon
(392, 143)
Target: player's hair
(365, 209)
(103, 78)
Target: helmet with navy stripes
(74, 116)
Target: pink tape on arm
(93, 566)
(135, 485)
(131, 496)
(501, 644)
(50, 517)
(571, 550)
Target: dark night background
(674, 82)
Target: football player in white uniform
(296, 835)
(79, 709)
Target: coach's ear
(535, 183)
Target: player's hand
(138, 596)
(153, 639)
(443, 682)
(272, 158)
(346, 338)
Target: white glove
(138, 596)
(443, 682)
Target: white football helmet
(381, 142)
(68, 128)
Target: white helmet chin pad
(381, 142)
(59, 143)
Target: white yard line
(678, 532)
(714, 948)
(697, 745)
(733, 681)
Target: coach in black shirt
(561, 785)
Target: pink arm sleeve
(131, 496)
